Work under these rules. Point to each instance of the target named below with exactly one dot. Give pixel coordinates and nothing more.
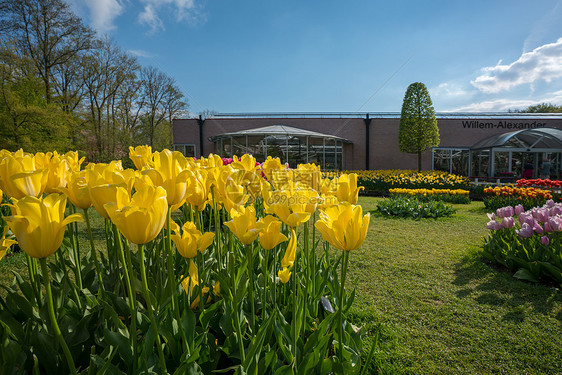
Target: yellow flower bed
(429, 191)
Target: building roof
(548, 138)
(375, 115)
(277, 130)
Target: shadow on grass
(493, 285)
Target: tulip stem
(171, 278)
(75, 250)
(149, 310)
(132, 297)
(52, 316)
(250, 256)
(36, 288)
(94, 253)
(340, 310)
(235, 302)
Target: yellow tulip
(284, 275)
(141, 156)
(190, 282)
(5, 243)
(104, 194)
(244, 224)
(343, 226)
(347, 188)
(19, 176)
(39, 224)
(143, 217)
(77, 190)
(199, 188)
(246, 162)
(234, 194)
(291, 251)
(191, 240)
(293, 207)
(271, 235)
(170, 172)
(272, 166)
(212, 161)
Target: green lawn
(443, 310)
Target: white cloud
(140, 53)
(446, 89)
(184, 10)
(542, 63)
(101, 13)
(499, 105)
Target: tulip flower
(508, 222)
(294, 207)
(143, 217)
(545, 240)
(141, 156)
(291, 251)
(189, 283)
(271, 166)
(271, 235)
(77, 190)
(347, 190)
(191, 240)
(526, 231)
(284, 275)
(104, 194)
(494, 225)
(518, 209)
(244, 224)
(39, 224)
(199, 187)
(555, 223)
(170, 172)
(343, 226)
(5, 243)
(19, 176)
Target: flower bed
(444, 195)
(545, 183)
(496, 197)
(225, 286)
(527, 242)
(413, 208)
(381, 181)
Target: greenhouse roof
(543, 138)
(277, 130)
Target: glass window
(187, 149)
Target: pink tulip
(545, 240)
(494, 225)
(491, 216)
(550, 203)
(527, 218)
(526, 231)
(547, 227)
(508, 222)
(537, 228)
(519, 210)
(541, 215)
(555, 223)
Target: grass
(445, 311)
(441, 309)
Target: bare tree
(48, 31)
(106, 70)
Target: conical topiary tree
(418, 129)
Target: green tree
(542, 108)
(418, 129)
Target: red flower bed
(539, 182)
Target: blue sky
(335, 56)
